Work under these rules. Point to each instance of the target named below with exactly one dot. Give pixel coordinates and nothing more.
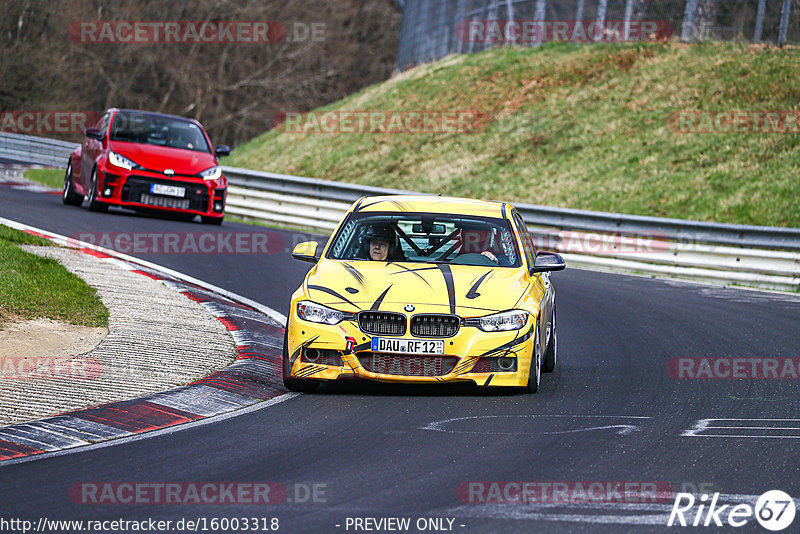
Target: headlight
(121, 161)
(501, 322)
(212, 174)
(317, 313)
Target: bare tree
(705, 19)
(330, 49)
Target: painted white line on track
(622, 429)
(70, 242)
(155, 433)
(768, 431)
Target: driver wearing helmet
(382, 243)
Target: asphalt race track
(610, 413)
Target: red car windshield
(151, 129)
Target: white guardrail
(754, 256)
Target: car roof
(124, 110)
(431, 204)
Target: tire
(551, 352)
(68, 194)
(294, 384)
(94, 204)
(216, 221)
(535, 373)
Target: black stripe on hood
(334, 293)
(448, 282)
(377, 304)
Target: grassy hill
(575, 126)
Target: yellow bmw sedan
(424, 289)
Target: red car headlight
(118, 160)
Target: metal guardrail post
(784, 30)
(626, 32)
(539, 16)
(762, 9)
(600, 20)
(460, 27)
(687, 30)
(579, 11)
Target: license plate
(169, 190)
(407, 346)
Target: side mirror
(94, 133)
(548, 261)
(306, 251)
(222, 150)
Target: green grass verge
(576, 126)
(32, 287)
(51, 177)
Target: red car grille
(137, 189)
(405, 365)
(165, 202)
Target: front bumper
(132, 189)
(468, 356)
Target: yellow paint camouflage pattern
(424, 286)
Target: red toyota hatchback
(147, 162)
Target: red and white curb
(254, 377)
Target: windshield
(150, 129)
(427, 238)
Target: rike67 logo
(774, 510)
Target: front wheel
(94, 204)
(68, 194)
(551, 352)
(535, 373)
(216, 221)
(294, 384)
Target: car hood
(467, 291)
(157, 158)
